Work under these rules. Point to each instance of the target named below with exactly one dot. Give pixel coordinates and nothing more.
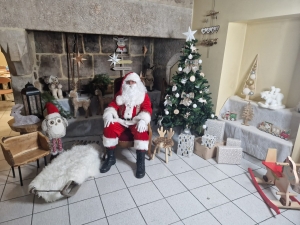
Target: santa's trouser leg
(110, 140)
(53, 149)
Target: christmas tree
(247, 114)
(188, 102)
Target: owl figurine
(54, 126)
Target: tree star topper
(114, 59)
(190, 34)
(78, 59)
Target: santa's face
(132, 90)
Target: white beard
(133, 94)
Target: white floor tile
(253, 159)
(185, 205)
(159, 212)
(113, 170)
(117, 202)
(158, 171)
(270, 192)
(87, 190)
(278, 219)
(27, 171)
(211, 174)
(126, 164)
(169, 186)
(99, 222)
(110, 184)
(40, 205)
(54, 216)
(152, 162)
(231, 189)
(139, 196)
(3, 176)
(86, 211)
(245, 164)
(209, 196)
(123, 153)
(131, 180)
(21, 221)
(212, 161)
(231, 214)
(162, 156)
(230, 170)
(16, 208)
(4, 165)
(191, 179)
(292, 215)
(204, 217)
(254, 207)
(246, 181)
(196, 161)
(178, 166)
(129, 217)
(15, 190)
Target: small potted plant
(100, 81)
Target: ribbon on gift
(187, 98)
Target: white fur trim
(110, 142)
(109, 111)
(141, 145)
(144, 116)
(52, 115)
(132, 76)
(81, 162)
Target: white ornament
(273, 99)
(202, 74)
(179, 68)
(246, 91)
(114, 59)
(212, 115)
(200, 92)
(176, 95)
(252, 76)
(192, 78)
(183, 80)
(197, 86)
(206, 90)
(204, 126)
(176, 111)
(190, 34)
(201, 100)
(193, 48)
(190, 56)
(174, 88)
(166, 112)
(200, 61)
(194, 106)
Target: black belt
(127, 119)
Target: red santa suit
(128, 113)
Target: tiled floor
(184, 191)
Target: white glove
(141, 126)
(115, 114)
(108, 120)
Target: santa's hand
(141, 126)
(108, 120)
(115, 114)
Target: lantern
(185, 143)
(32, 101)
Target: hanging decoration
(187, 98)
(250, 84)
(78, 59)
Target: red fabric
(276, 169)
(51, 108)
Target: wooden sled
(282, 175)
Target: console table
(254, 141)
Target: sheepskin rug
(77, 164)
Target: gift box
(216, 128)
(229, 155)
(208, 140)
(205, 152)
(233, 142)
(185, 144)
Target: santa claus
(131, 108)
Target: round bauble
(183, 81)
(200, 61)
(252, 87)
(200, 92)
(194, 106)
(246, 91)
(202, 74)
(249, 82)
(192, 78)
(166, 112)
(252, 72)
(179, 68)
(176, 111)
(212, 115)
(190, 56)
(174, 88)
(204, 126)
(176, 95)
(252, 76)
(251, 93)
(206, 90)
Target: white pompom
(166, 112)
(194, 106)
(246, 91)
(252, 76)
(176, 111)
(204, 126)
(200, 61)
(176, 95)
(190, 56)
(179, 68)
(212, 115)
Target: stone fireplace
(34, 37)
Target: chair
(126, 138)
(5, 80)
(23, 149)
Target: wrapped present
(208, 140)
(205, 152)
(229, 155)
(216, 128)
(233, 142)
(185, 144)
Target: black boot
(110, 160)
(140, 163)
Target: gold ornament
(249, 82)
(252, 87)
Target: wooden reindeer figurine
(164, 142)
(85, 103)
(102, 101)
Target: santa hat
(52, 110)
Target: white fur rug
(77, 164)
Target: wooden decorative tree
(250, 84)
(247, 114)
